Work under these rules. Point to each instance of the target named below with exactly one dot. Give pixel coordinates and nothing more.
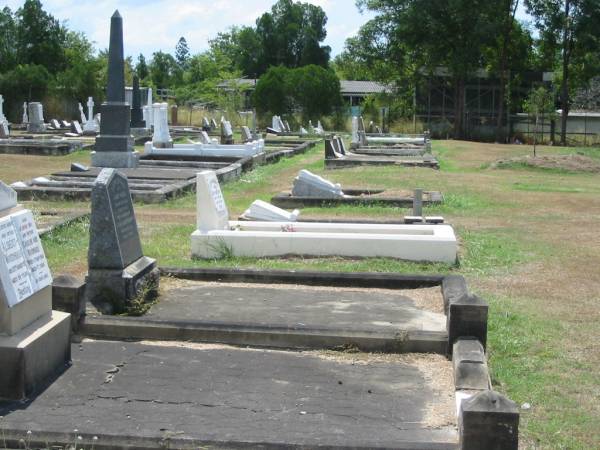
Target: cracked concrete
(229, 396)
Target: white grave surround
(34, 340)
(199, 149)
(216, 235)
(265, 212)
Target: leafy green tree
(141, 68)
(40, 37)
(539, 105)
(272, 93)
(162, 68)
(426, 34)
(8, 43)
(182, 53)
(315, 90)
(572, 27)
(81, 77)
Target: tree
(539, 104)
(272, 93)
(141, 68)
(40, 37)
(315, 90)
(572, 26)
(427, 34)
(182, 53)
(162, 69)
(8, 43)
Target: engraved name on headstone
(14, 273)
(35, 257)
(114, 238)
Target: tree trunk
(459, 108)
(510, 12)
(564, 96)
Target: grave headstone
(307, 184)
(212, 213)
(55, 124)
(205, 124)
(36, 118)
(65, 124)
(265, 212)
(76, 128)
(2, 116)
(226, 133)
(276, 124)
(81, 114)
(174, 115)
(303, 131)
(136, 105)
(90, 126)
(205, 138)
(24, 118)
(147, 111)
(29, 329)
(114, 144)
(161, 137)
(246, 135)
(213, 124)
(4, 131)
(287, 127)
(117, 269)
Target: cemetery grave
(337, 157)
(217, 236)
(442, 402)
(310, 190)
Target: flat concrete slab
(287, 316)
(174, 395)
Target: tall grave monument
(118, 272)
(114, 144)
(34, 340)
(136, 106)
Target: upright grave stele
(34, 340)
(114, 144)
(118, 272)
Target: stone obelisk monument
(136, 106)
(114, 144)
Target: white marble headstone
(212, 213)
(307, 184)
(8, 197)
(15, 281)
(265, 212)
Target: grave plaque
(114, 238)
(14, 273)
(212, 210)
(32, 249)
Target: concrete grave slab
(273, 399)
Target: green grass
(67, 245)
(526, 362)
(540, 187)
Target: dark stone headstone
(114, 144)
(114, 239)
(118, 270)
(77, 167)
(137, 120)
(489, 421)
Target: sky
(151, 25)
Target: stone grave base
(26, 312)
(390, 151)
(365, 160)
(40, 147)
(113, 290)
(432, 243)
(33, 356)
(355, 197)
(154, 395)
(125, 160)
